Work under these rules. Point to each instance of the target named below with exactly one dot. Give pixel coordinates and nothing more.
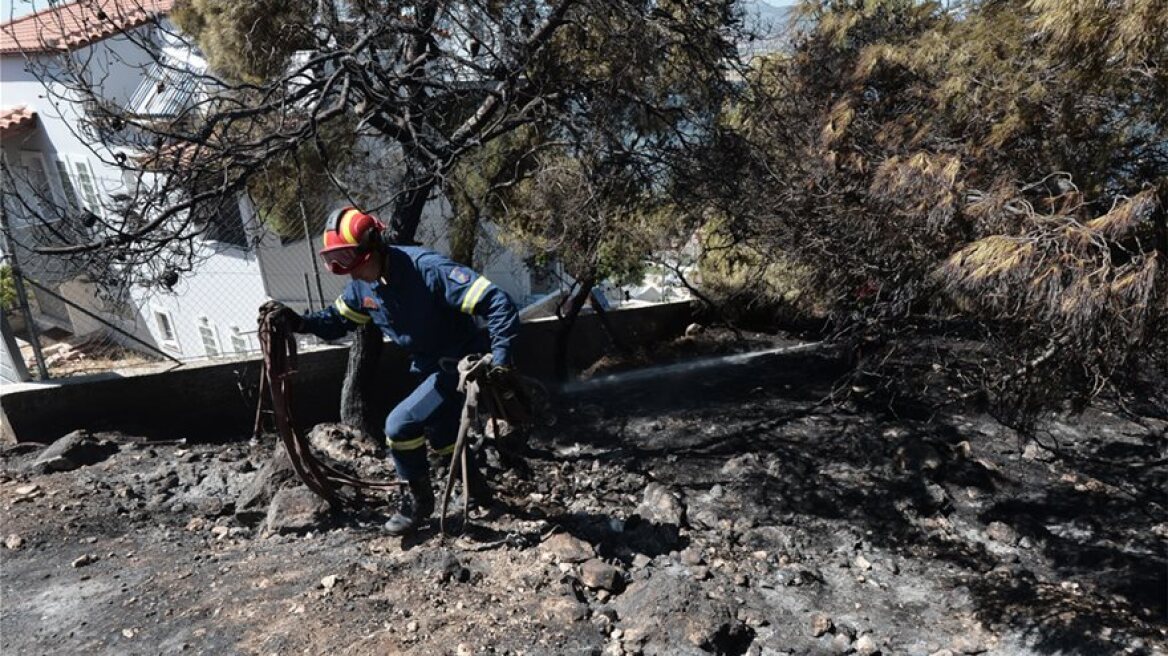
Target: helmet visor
(343, 260)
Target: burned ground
(725, 510)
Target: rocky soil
(725, 510)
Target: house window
(79, 185)
(87, 185)
(221, 220)
(72, 204)
(165, 325)
(239, 342)
(210, 337)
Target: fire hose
(279, 349)
(507, 400)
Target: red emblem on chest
(369, 303)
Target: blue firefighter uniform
(426, 304)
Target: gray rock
(671, 614)
(661, 505)
(562, 610)
(937, 499)
(691, 556)
(344, 443)
(841, 643)
(706, 511)
(295, 510)
(797, 575)
(744, 465)
(77, 449)
(565, 548)
(597, 574)
(967, 644)
(251, 505)
(82, 561)
(865, 646)
(1001, 532)
(1035, 452)
(820, 624)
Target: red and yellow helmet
(349, 239)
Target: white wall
(226, 290)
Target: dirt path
(720, 512)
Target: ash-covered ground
(726, 510)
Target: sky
(10, 9)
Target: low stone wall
(217, 401)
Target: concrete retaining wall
(217, 401)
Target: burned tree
(972, 164)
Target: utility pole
(22, 294)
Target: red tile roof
(14, 120)
(77, 24)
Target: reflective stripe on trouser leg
(409, 457)
(433, 407)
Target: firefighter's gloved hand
(507, 399)
(281, 317)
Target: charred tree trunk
(602, 314)
(463, 235)
(356, 393)
(408, 206)
(568, 316)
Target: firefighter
(427, 304)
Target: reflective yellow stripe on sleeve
(445, 451)
(474, 294)
(407, 445)
(349, 313)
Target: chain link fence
(58, 323)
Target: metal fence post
(22, 295)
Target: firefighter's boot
(416, 507)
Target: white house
(57, 173)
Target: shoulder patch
(369, 303)
(460, 275)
